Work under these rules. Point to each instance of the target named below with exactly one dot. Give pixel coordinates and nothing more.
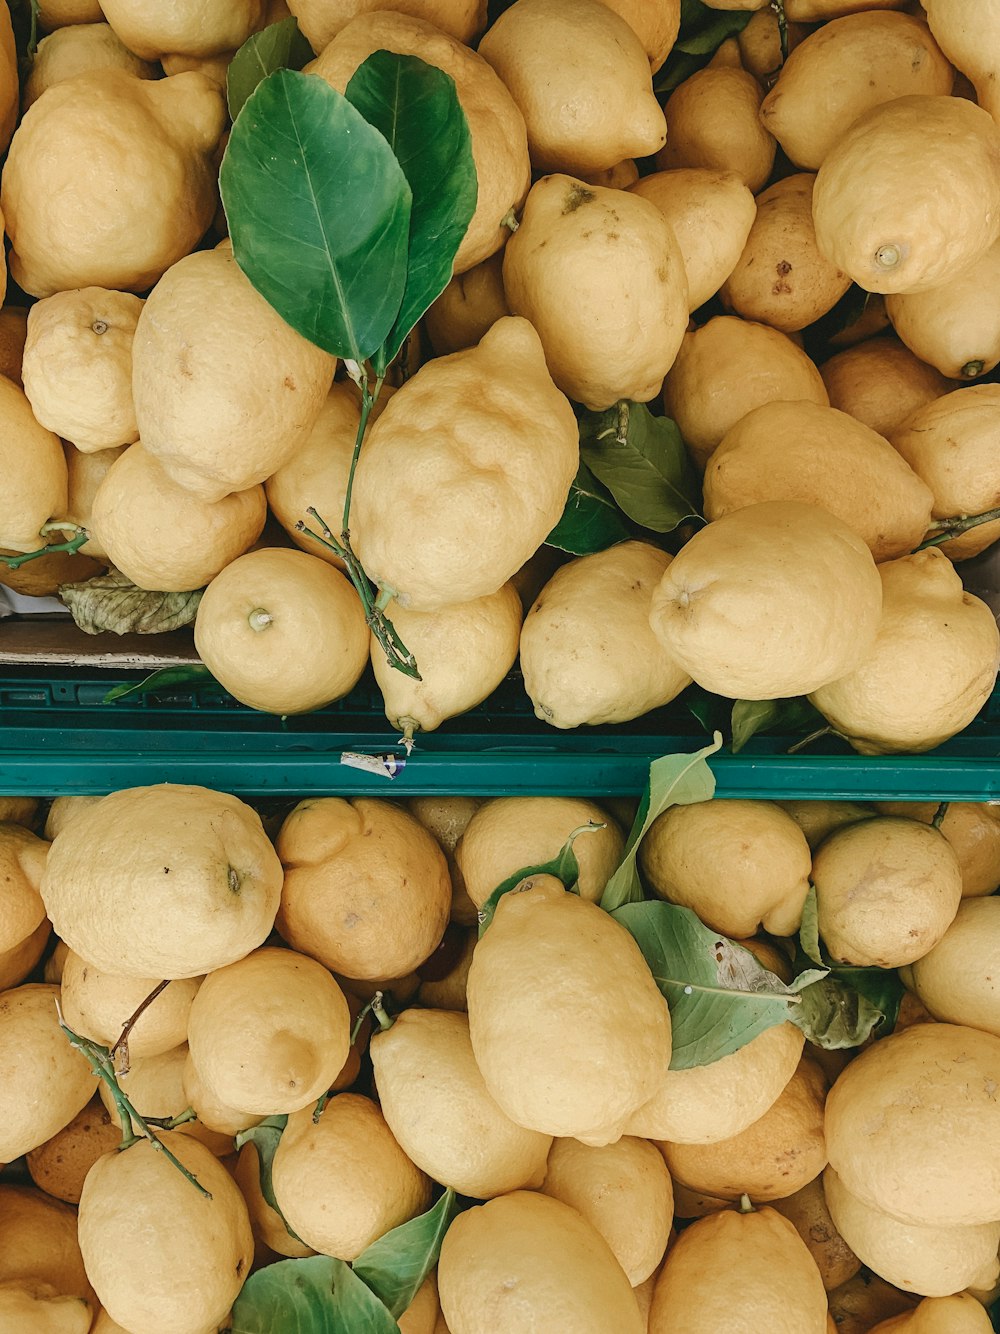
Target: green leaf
(720, 997)
(195, 675)
(564, 867)
(318, 1295)
(24, 22)
(834, 1014)
(395, 1266)
(702, 32)
(110, 602)
(751, 716)
(416, 108)
(809, 930)
(995, 1315)
(591, 521)
(265, 1136)
(319, 213)
(712, 711)
(674, 780)
(642, 461)
(279, 46)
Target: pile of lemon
(168, 409)
(783, 1186)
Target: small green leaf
(318, 1295)
(319, 213)
(751, 716)
(416, 108)
(834, 1014)
(395, 1266)
(674, 780)
(712, 711)
(591, 521)
(265, 1136)
(110, 602)
(279, 46)
(995, 1315)
(702, 32)
(564, 867)
(809, 930)
(194, 675)
(642, 461)
(720, 997)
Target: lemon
(436, 1104)
(601, 277)
(581, 78)
(711, 213)
(820, 456)
(27, 1304)
(8, 80)
(713, 121)
(732, 1271)
(866, 1298)
(960, 1314)
(98, 1004)
(85, 473)
(476, 452)
(38, 1242)
(366, 887)
(770, 601)
(282, 631)
(463, 652)
(946, 444)
(153, 1085)
(164, 881)
(624, 1190)
(883, 1126)
(806, 1209)
(446, 818)
(588, 654)
(448, 992)
(818, 819)
(947, 326)
(468, 307)
(343, 1181)
(60, 1165)
(887, 890)
(124, 216)
(43, 1081)
(245, 370)
(526, 1259)
(79, 49)
(19, 961)
(271, 1032)
(22, 862)
(510, 833)
(970, 46)
(656, 26)
(34, 470)
(931, 1261)
(212, 1113)
(267, 1224)
(845, 68)
(496, 126)
(162, 1257)
(737, 864)
(773, 1157)
(880, 383)
(928, 169)
(321, 22)
(77, 366)
(726, 368)
(932, 666)
(187, 27)
(956, 979)
(559, 995)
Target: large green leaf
(720, 997)
(416, 108)
(642, 461)
(591, 521)
(751, 716)
(319, 213)
(674, 780)
(191, 675)
(111, 602)
(395, 1266)
(564, 866)
(279, 46)
(318, 1295)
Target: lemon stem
(746, 1205)
(779, 8)
(259, 619)
(81, 535)
(945, 529)
(121, 1045)
(939, 815)
(813, 736)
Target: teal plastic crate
(58, 737)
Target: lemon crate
(58, 736)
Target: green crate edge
(56, 738)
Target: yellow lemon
(807, 1211)
(34, 471)
(78, 49)
(950, 327)
(97, 1004)
(187, 27)
(60, 1165)
(713, 121)
(880, 383)
(956, 979)
(22, 862)
(468, 307)
(960, 1314)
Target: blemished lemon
(770, 601)
(282, 631)
(60, 1165)
(343, 1181)
(737, 864)
(436, 1103)
(883, 1126)
(733, 1270)
(973, 830)
(524, 1259)
(807, 1211)
(163, 1257)
(818, 819)
(559, 995)
(163, 881)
